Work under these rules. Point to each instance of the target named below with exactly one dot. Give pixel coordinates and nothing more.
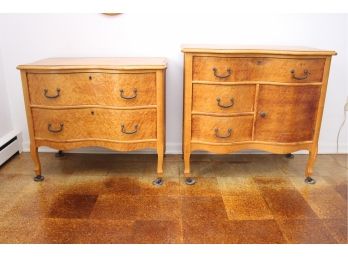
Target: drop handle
(124, 131)
(218, 135)
(52, 96)
(218, 100)
(222, 76)
(53, 130)
(128, 97)
(305, 74)
(263, 114)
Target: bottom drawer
(93, 123)
(221, 129)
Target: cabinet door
(286, 113)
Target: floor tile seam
(338, 163)
(313, 205)
(277, 226)
(275, 215)
(282, 231)
(334, 236)
(321, 221)
(265, 201)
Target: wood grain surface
(92, 89)
(116, 103)
(273, 96)
(93, 123)
(258, 69)
(216, 129)
(223, 98)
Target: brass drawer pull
(229, 133)
(124, 131)
(50, 129)
(222, 76)
(51, 96)
(225, 106)
(305, 72)
(128, 97)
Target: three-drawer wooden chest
(115, 103)
(268, 99)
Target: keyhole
(92, 112)
(90, 77)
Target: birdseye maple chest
(116, 103)
(263, 98)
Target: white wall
(5, 112)
(26, 38)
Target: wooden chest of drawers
(116, 103)
(265, 99)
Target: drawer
(230, 69)
(94, 123)
(132, 89)
(223, 98)
(221, 129)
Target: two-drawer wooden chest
(115, 103)
(263, 98)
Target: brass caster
(289, 156)
(158, 182)
(310, 180)
(190, 181)
(39, 178)
(59, 154)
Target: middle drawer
(223, 98)
(96, 123)
(113, 89)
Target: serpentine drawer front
(268, 99)
(116, 103)
(94, 123)
(208, 68)
(93, 88)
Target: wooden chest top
(120, 63)
(254, 49)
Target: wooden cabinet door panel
(286, 113)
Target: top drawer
(117, 89)
(229, 69)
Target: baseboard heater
(8, 149)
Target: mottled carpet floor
(88, 198)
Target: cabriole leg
(37, 165)
(159, 180)
(188, 179)
(187, 164)
(309, 168)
